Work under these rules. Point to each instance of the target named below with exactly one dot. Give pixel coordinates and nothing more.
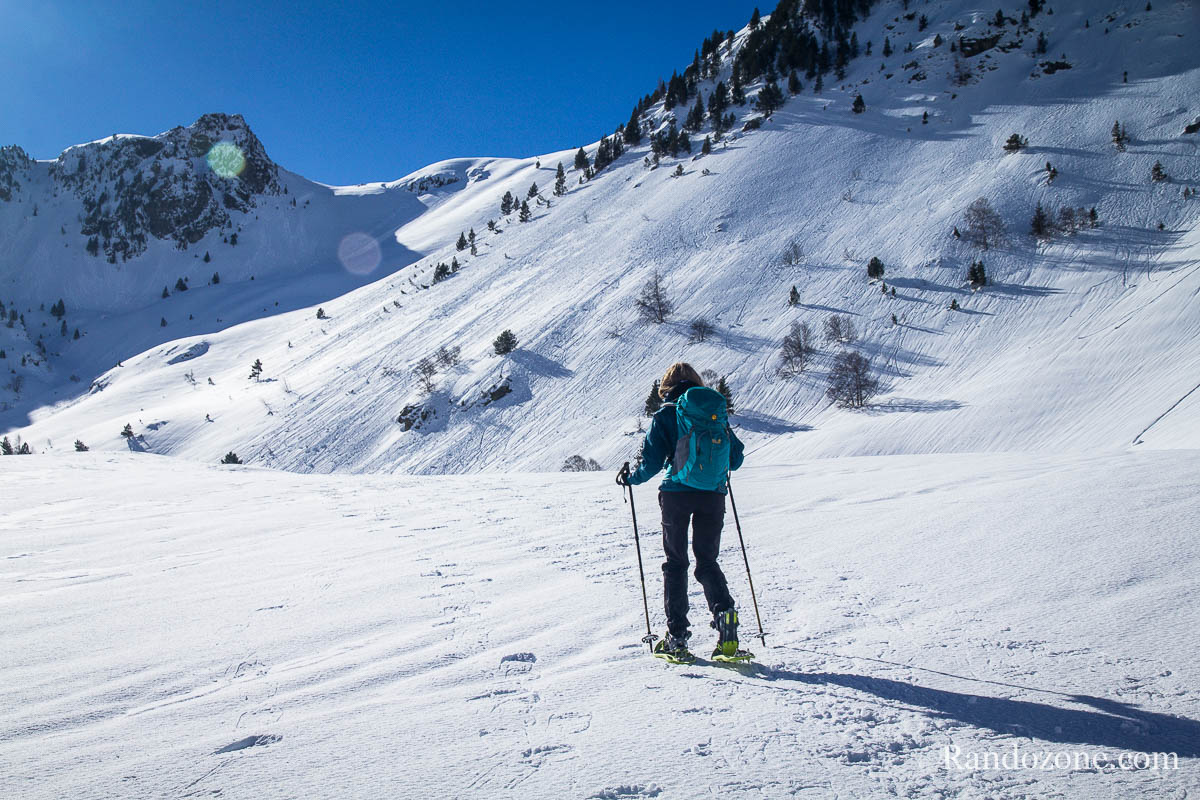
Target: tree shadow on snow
(765, 423)
(1106, 723)
(539, 365)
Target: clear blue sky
(344, 92)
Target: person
(689, 494)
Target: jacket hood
(678, 391)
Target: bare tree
(652, 304)
(793, 254)
(425, 370)
(839, 329)
(699, 330)
(984, 226)
(797, 350)
(850, 381)
(448, 356)
(578, 463)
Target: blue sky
(343, 93)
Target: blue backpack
(702, 451)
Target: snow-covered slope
(1082, 342)
(280, 636)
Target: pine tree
(165, 293)
(560, 181)
(859, 105)
(506, 204)
(162, 323)
(794, 85)
(127, 431)
(525, 214)
(706, 148)
(461, 244)
(231, 458)
(180, 286)
(256, 369)
(6, 448)
(755, 19)
(875, 268)
(653, 401)
(207, 257)
(1014, 143)
(632, 132)
(1157, 173)
(80, 447)
(887, 47)
(581, 159)
(770, 97)
(533, 191)
(505, 343)
(216, 278)
(793, 297)
(1040, 224)
(724, 389)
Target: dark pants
(706, 512)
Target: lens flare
(226, 159)
(359, 253)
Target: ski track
(362, 638)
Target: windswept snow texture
(1085, 342)
(281, 635)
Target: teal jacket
(659, 446)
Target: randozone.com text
(1050, 760)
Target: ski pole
(762, 636)
(649, 637)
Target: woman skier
(690, 435)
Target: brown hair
(676, 374)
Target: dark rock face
(973, 47)
(14, 162)
(136, 187)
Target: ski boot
(674, 649)
(726, 623)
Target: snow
(998, 551)
(180, 630)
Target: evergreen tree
(80, 447)
(581, 159)
(76, 336)
(207, 257)
(6, 448)
(505, 343)
(1014, 143)
(755, 19)
(506, 204)
(706, 148)
(724, 389)
(874, 268)
(653, 401)
(794, 85)
(560, 180)
(976, 274)
(461, 244)
(165, 293)
(737, 92)
(819, 86)
(180, 286)
(231, 458)
(632, 132)
(525, 214)
(256, 369)
(216, 278)
(887, 47)
(1157, 173)
(770, 97)
(127, 431)
(471, 238)
(533, 191)
(859, 105)
(793, 297)
(162, 323)
(1041, 223)
(24, 450)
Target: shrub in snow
(231, 458)
(976, 274)
(256, 369)
(874, 268)
(321, 313)
(1015, 143)
(505, 343)
(127, 431)
(699, 330)
(850, 381)
(80, 447)
(1157, 173)
(578, 463)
